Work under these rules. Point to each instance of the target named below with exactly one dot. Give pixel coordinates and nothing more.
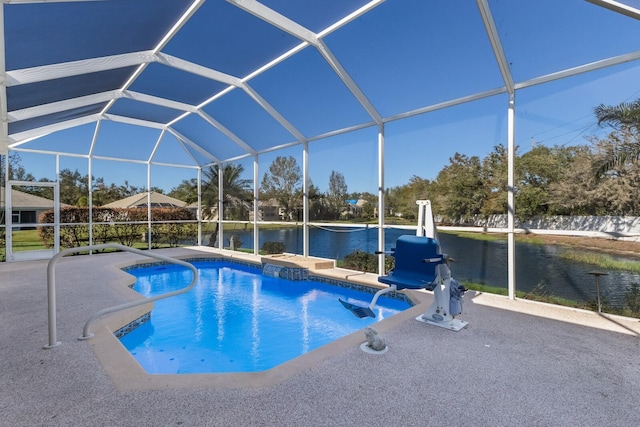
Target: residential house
(268, 210)
(26, 208)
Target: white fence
(616, 227)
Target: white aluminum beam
(176, 27)
(186, 150)
(199, 210)
(163, 102)
(256, 202)
(49, 152)
(511, 202)
(176, 165)
(220, 235)
(135, 122)
(156, 145)
(194, 146)
(120, 159)
(75, 68)
(67, 104)
(177, 119)
(232, 136)
(272, 149)
(351, 17)
(274, 18)
(341, 131)
(41, 131)
(4, 125)
(348, 81)
(94, 139)
(496, 45)
(192, 68)
(447, 104)
(597, 65)
(294, 50)
(381, 199)
(274, 113)
(618, 6)
(305, 199)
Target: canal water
(539, 268)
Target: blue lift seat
(412, 267)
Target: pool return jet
(420, 264)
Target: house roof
(22, 200)
(217, 81)
(140, 201)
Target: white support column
(90, 188)
(56, 209)
(4, 118)
(149, 233)
(8, 219)
(220, 205)
(305, 199)
(511, 242)
(96, 131)
(256, 201)
(199, 210)
(381, 200)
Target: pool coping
(127, 374)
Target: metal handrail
(86, 332)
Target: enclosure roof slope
(222, 80)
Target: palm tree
(234, 188)
(624, 118)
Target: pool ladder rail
(86, 331)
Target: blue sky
(402, 58)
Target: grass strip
(601, 260)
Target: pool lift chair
(419, 264)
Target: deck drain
(375, 344)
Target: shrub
(170, 232)
(365, 261)
(125, 226)
(273, 247)
(131, 231)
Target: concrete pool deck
(516, 363)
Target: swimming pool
(238, 320)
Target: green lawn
(600, 260)
(26, 240)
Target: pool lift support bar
(420, 264)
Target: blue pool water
(237, 320)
